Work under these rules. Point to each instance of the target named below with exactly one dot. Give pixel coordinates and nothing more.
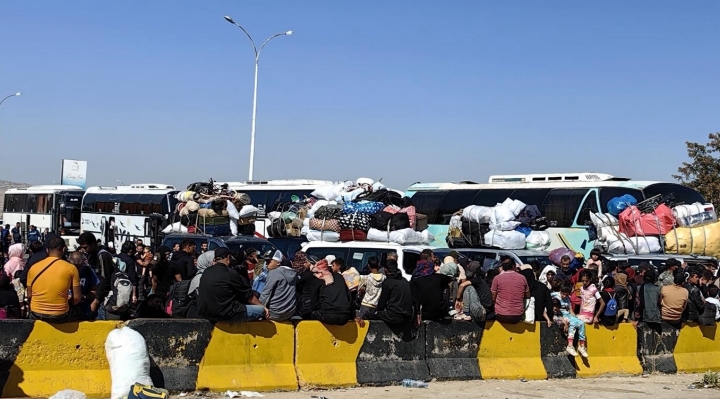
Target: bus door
(153, 225)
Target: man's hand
(94, 305)
(360, 322)
(458, 305)
(596, 320)
(267, 313)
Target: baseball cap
(276, 256)
(222, 253)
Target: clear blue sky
(161, 91)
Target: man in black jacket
(101, 261)
(399, 302)
(37, 253)
(183, 262)
(696, 303)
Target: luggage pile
(510, 225)
(652, 227)
(207, 208)
(363, 210)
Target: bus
(127, 213)
(565, 199)
(56, 208)
(269, 195)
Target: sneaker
(462, 317)
(583, 351)
(571, 350)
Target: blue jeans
(252, 313)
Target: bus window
(454, 201)
(42, 203)
(143, 204)
(156, 203)
(531, 196)
(561, 206)
(129, 204)
(427, 203)
(359, 257)
(608, 193)
(492, 196)
(682, 194)
(88, 203)
(589, 205)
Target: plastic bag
(529, 316)
(537, 240)
(505, 239)
(477, 214)
(515, 206)
(618, 204)
(128, 358)
(501, 214)
(329, 193)
(232, 211)
(248, 211)
(523, 229)
(69, 394)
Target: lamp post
(254, 113)
(12, 95)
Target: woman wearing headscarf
(334, 304)
(541, 293)
(163, 275)
(204, 261)
(307, 286)
(16, 261)
(622, 297)
(544, 279)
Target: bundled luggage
(510, 225)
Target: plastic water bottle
(408, 383)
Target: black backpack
(707, 318)
(180, 298)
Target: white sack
(248, 211)
(516, 206)
(402, 237)
(505, 226)
(538, 240)
(627, 245)
(505, 239)
(350, 196)
(607, 233)
(327, 236)
(329, 193)
(456, 222)
(232, 211)
(175, 228)
(603, 219)
(501, 213)
(128, 358)
(683, 211)
(477, 214)
(274, 215)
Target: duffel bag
(363, 207)
(384, 221)
(325, 224)
(329, 212)
(353, 235)
(277, 228)
(355, 221)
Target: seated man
(49, 282)
(224, 295)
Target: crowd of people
(96, 283)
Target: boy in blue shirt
(89, 283)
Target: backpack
(611, 307)
(179, 299)
(707, 318)
(119, 298)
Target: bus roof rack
(288, 182)
(467, 182)
(555, 177)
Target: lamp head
(288, 33)
(18, 93)
(229, 19)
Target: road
(655, 386)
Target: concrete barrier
(255, 356)
(656, 344)
(613, 350)
(558, 363)
(176, 347)
(698, 349)
(325, 356)
(57, 357)
(511, 351)
(13, 334)
(451, 350)
(390, 354)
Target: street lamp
(12, 95)
(257, 58)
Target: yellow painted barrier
(326, 356)
(698, 349)
(63, 356)
(612, 350)
(511, 351)
(253, 356)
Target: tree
(702, 173)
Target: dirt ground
(654, 386)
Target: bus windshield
(69, 206)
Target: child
(595, 260)
(562, 315)
(590, 297)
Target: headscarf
(16, 253)
(530, 277)
(299, 262)
(621, 280)
(322, 267)
(543, 276)
(424, 268)
(630, 273)
(204, 261)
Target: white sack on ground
(129, 362)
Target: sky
(407, 91)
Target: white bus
(56, 208)
(268, 195)
(125, 213)
(565, 199)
